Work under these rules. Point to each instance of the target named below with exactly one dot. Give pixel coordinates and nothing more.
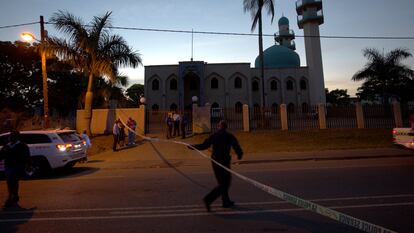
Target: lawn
(277, 140)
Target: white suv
(51, 149)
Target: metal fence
(301, 118)
(343, 116)
(406, 111)
(265, 118)
(233, 117)
(155, 120)
(378, 116)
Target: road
(163, 194)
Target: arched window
(173, 107)
(214, 83)
(155, 85)
(238, 107)
(303, 85)
(237, 82)
(291, 108)
(155, 107)
(255, 85)
(275, 108)
(256, 109)
(289, 85)
(273, 85)
(305, 108)
(173, 84)
(215, 105)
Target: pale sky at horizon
(341, 57)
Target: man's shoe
(206, 204)
(228, 204)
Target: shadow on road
(61, 173)
(12, 217)
(175, 168)
(287, 222)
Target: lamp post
(28, 37)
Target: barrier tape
(308, 205)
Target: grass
(278, 141)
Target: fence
(233, 117)
(341, 116)
(378, 116)
(155, 120)
(300, 118)
(406, 111)
(264, 118)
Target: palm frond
(100, 27)
(396, 55)
(71, 25)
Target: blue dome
(283, 21)
(279, 56)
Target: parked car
(403, 137)
(50, 149)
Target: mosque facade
(230, 85)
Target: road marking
(196, 206)
(219, 212)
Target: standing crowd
(118, 132)
(176, 125)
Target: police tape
(305, 204)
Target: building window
(255, 86)
(238, 107)
(289, 85)
(155, 107)
(275, 108)
(303, 85)
(173, 84)
(215, 105)
(193, 84)
(273, 85)
(155, 85)
(237, 82)
(214, 83)
(173, 107)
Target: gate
(155, 121)
(233, 117)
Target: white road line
(228, 212)
(197, 206)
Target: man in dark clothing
(222, 141)
(16, 156)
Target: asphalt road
(164, 195)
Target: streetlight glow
(27, 36)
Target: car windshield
(69, 137)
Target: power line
(18, 25)
(234, 33)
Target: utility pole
(44, 74)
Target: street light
(30, 37)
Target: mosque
(230, 85)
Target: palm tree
(384, 74)
(92, 50)
(255, 8)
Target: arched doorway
(191, 88)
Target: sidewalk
(163, 154)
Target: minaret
(285, 36)
(310, 16)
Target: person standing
(184, 122)
(132, 124)
(176, 119)
(121, 136)
(169, 126)
(115, 133)
(16, 156)
(222, 142)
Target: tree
(134, 94)
(255, 8)
(385, 77)
(92, 50)
(337, 96)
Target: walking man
(115, 132)
(16, 156)
(222, 141)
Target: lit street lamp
(29, 37)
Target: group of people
(118, 132)
(176, 123)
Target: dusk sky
(341, 57)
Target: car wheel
(40, 166)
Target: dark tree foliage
(20, 76)
(385, 77)
(337, 96)
(134, 94)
